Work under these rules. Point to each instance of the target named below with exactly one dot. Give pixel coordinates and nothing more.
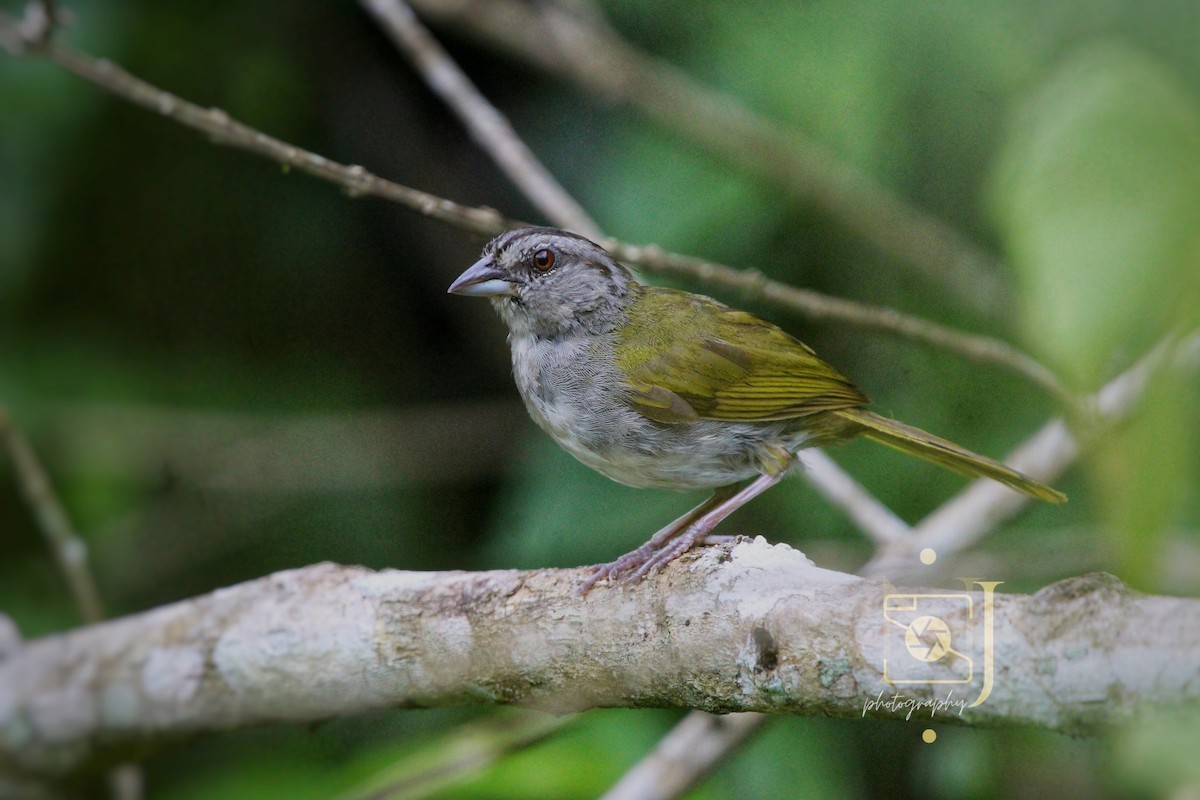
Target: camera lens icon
(919, 644)
(928, 639)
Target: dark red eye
(543, 259)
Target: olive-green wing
(730, 365)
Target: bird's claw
(637, 564)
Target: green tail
(917, 442)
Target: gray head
(549, 283)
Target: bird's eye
(543, 260)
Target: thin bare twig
(875, 519)
(578, 47)
(356, 181)
(223, 129)
(822, 307)
(686, 755)
(70, 551)
(467, 750)
(487, 126)
(965, 519)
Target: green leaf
(1097, 194)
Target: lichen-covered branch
(740, 627)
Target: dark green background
(215, 358)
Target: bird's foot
(615, 569)
(637, 564)
(681, 535)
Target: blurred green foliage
(147, 277)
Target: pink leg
(636, 558)
(701, 528)
(677, 538)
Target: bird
(657, 387)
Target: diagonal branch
(487, 126)
(871, 516)
(823, 307)
(683, 757)
(697, 743)
(556, 38)
(356, 181)
(70, 550)
(223, 129)
(964, 520)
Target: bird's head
(549, 283)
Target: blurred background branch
(356, 181)
(487, 126)
(567, 41)
(962, 521)
(71, 553)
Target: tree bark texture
(744, 626)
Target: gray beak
(482, 279)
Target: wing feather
(732, 365)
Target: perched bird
(663, 388)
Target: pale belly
(584, 411)
(696, 456)
(579, 401)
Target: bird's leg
(704, 524)
(635, 558)
(681, 535)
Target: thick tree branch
(739, 627)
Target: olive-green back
(729, 365)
